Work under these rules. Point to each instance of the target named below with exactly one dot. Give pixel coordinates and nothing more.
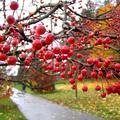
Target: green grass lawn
(90, 102)
(9, 111)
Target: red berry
(107, 62)
(74, 67)
(71, 80)
(79, 55)
(69, 73)
(74, 87)
(15, 42)
(97, 88)
(100, 73)
(103, 95)
(3, 57)
(80, 77)
(98, 64)
(94, 74)
(62, 75)
(37, 44)
(11, 60)
(49, 38)
(90, 61)
(28, 61)
(1, 38)
(10, 20)
(109, 75)
(40, 29)
(14, 5)
(71, 40)
(65, 50)
(6, 48)
(84, 88)
(84, 72)
(56, 50)
(98, 41)
(109, 89)
(117, 66)
(57, 64)
(58, 58)
(56, 69)
(70, 53)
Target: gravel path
(36, 108)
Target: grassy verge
(9, 111)
(90, 102)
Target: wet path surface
(36, 108)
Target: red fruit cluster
(49, 55)
(115, 88)
(106, 41)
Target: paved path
(36, 108)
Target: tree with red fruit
(25, 37)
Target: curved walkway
(36, 108)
